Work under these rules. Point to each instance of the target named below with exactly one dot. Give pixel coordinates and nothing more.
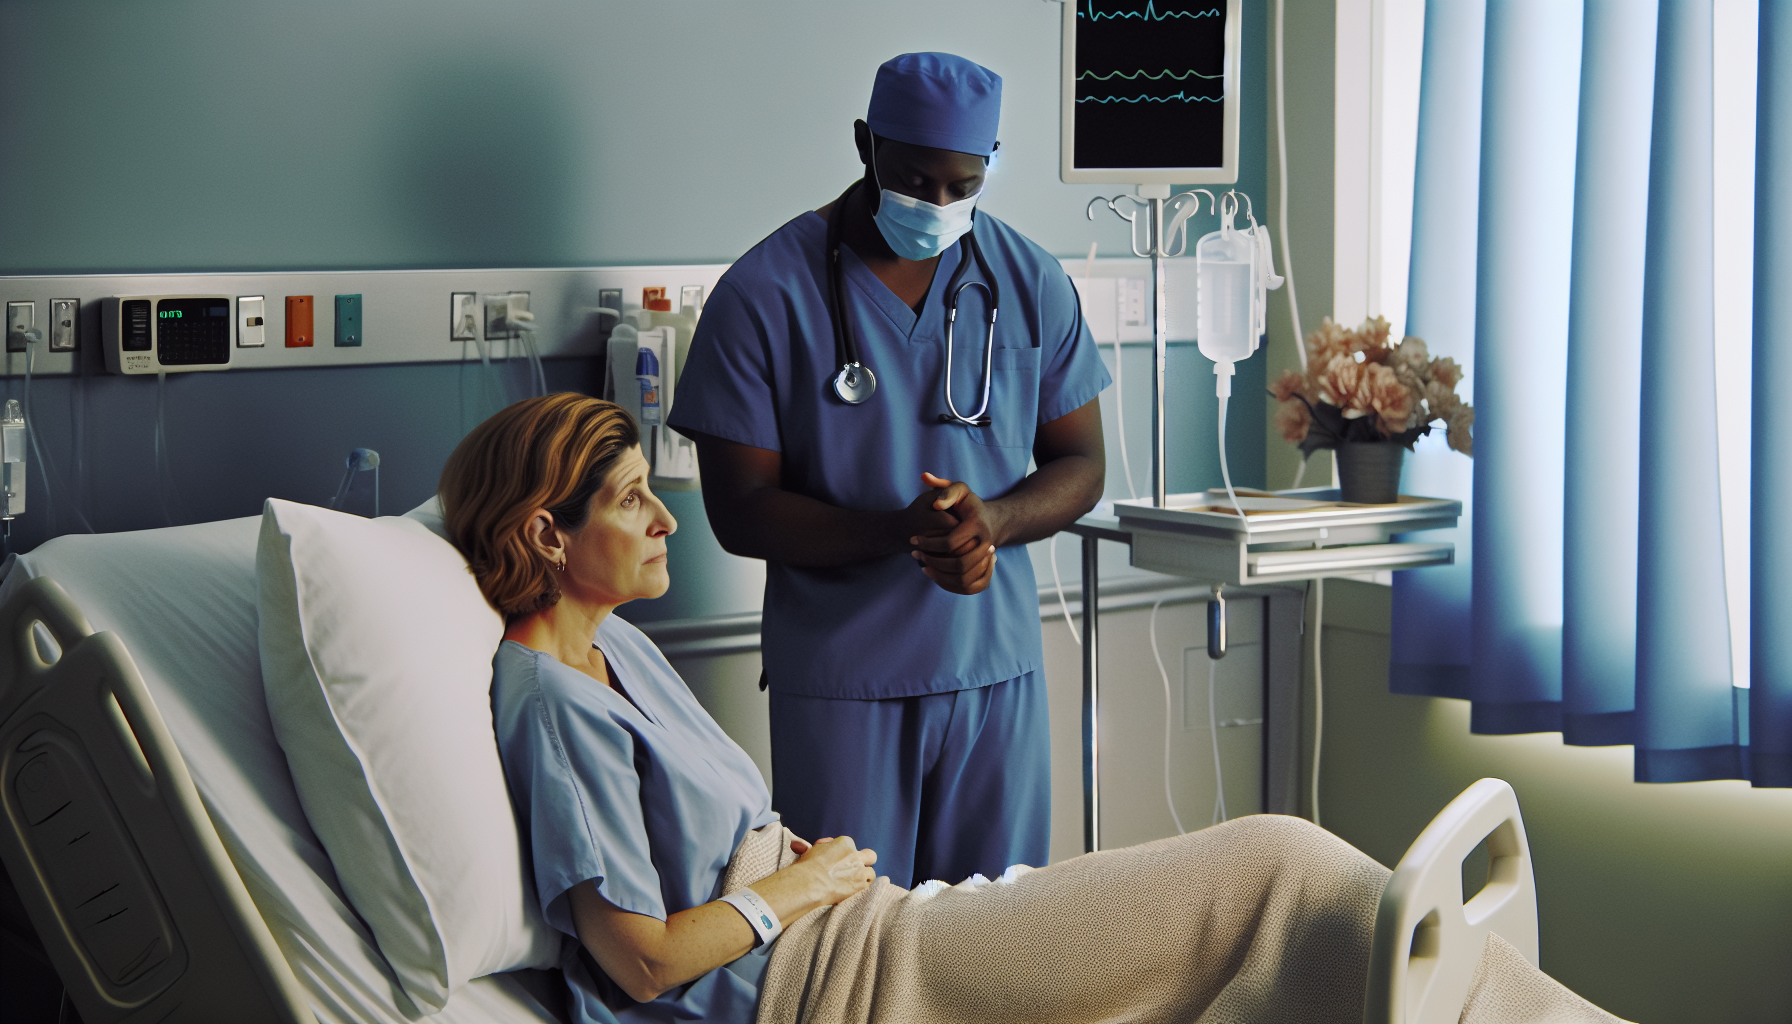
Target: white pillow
(376, 651)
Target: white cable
(43, 468)
(1213, 731)
(46, 468)
(1318, 688)
(1119, 377)
(1058, 581)
(486, 379)
(1300, 340)
(1299, 473)
(1165, 676)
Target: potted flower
(1370, 399)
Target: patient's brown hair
(551, 452)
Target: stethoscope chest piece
(855, 383)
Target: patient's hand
(826, 872)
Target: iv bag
(1225, 291)
(1234, 274)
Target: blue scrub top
(649, 798)
(758, 374)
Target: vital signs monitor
(1150, 91)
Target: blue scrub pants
(941, 786)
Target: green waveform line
(1166, 73)
(1173, 98)
(1148, 14)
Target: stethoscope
(854, 382)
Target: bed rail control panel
(166, 333)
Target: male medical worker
(901, 630)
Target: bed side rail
(103, 833)
(1427, 940)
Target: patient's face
(620, 553)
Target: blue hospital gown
(650, 798)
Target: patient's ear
(543, 538)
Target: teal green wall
(328, 134)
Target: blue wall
(187, 135)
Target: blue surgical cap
(938, 100)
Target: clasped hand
(836, 867)
(956, 537)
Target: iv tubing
(1165, 676)
(1318, 688)
(1225, 473)
(1058, 581)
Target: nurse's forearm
(780, 526)
(753, 516)
(1056, 495)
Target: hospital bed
(154, 833)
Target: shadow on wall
(481, 168)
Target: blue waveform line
(1174, 98)
(1148, 14)
(1166, 73)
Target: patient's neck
(565, 631)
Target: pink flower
(1445, 371)
(1460, 438)
(1289, 384)
(1293, 419)
(1393, 402)
(1440, 402)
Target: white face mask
(917, 229)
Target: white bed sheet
(183, 602)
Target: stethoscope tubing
(846, 350)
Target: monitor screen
(1150, 91)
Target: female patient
(634, 802)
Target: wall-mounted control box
(348, 321)
(299, 322)
(166, 333)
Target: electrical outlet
(497, 313)
(348, 321)
(299, 333)
(65, 317)
(251, 321)
(463, 316)
(1135, 319)
(21, 317)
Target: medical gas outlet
(166, 333)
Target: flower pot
(1369, 471)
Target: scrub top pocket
(1013, 399)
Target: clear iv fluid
(1224, 325)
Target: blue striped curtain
(1565, 252)
(1769, 738)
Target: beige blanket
(1261, 919)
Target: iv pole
(1153, 199)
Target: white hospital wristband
(758, 913)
